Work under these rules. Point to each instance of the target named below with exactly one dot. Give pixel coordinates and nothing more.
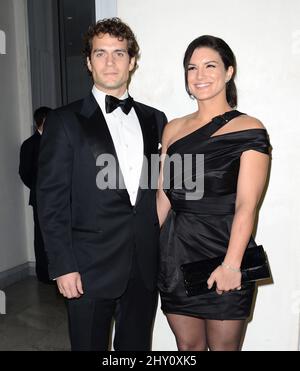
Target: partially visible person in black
(28, 172)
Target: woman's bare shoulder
(173, 127)
(240, 123)
(245, 122)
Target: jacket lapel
(100, 141)
(150, 138)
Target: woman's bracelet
(227, 266)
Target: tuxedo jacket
(86, 229)
(28, 167)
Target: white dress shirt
(127, 137)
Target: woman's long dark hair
(226, 55)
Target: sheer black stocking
(189, 332)
(224, 335)
(196, 334)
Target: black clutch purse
(254, 267)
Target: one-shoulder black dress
(197, 229)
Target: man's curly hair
(116, 28)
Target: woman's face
(207, 75)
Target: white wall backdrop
(265, 36)
(105, 8)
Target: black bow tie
(111, 103)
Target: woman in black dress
(236, 160)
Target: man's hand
(70, 285)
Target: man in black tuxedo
(102, 242)
(28, 167)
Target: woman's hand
(225, 279)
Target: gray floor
(36, 318)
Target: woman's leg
(189, 332)
(225, 335)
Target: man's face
(110, 64)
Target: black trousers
(41, 260)
(90, 320)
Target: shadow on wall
(2, 42)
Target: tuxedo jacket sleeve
(54, 194)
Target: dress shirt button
(134, 212)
